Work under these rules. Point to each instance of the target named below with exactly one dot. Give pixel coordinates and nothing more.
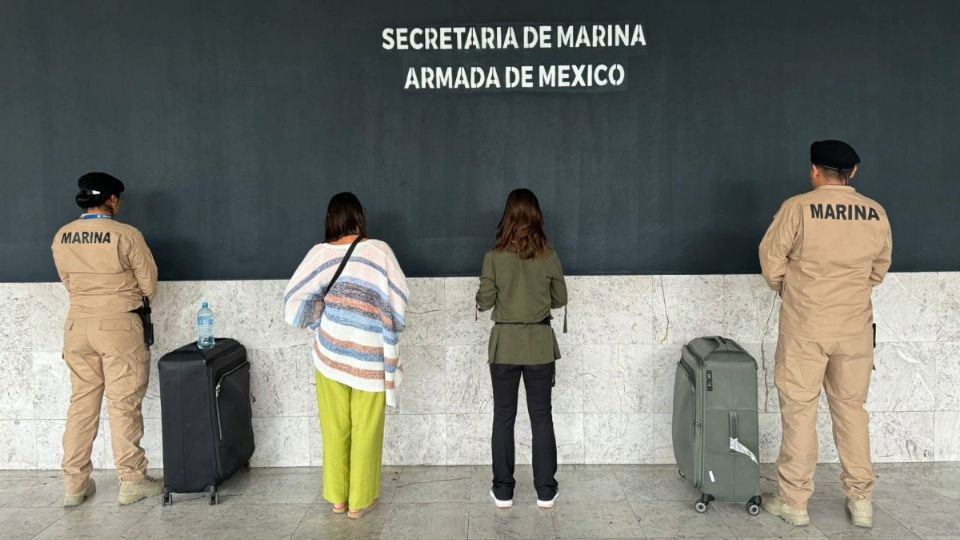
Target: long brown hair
(521, 227)
(345, 217)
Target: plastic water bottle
(205, 325)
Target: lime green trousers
(351, 422)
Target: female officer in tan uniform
(108, 269)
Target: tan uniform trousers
(105, 354)
(843, 369)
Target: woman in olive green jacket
(522, 279)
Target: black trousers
(538, 381)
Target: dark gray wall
(233, 122)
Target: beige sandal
(340, 508)
(357, 514)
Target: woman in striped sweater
(356, 321)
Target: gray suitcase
(716, 435)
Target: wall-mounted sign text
(545, 57)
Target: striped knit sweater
(357, 327)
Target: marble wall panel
(426, 294)
(281, 442)
(771, 432)
(686, 307)
(424, 389)
(946, 435)
(280, 381)
(571, 437)
(662, 374)
(751, 309)
(948, 376)
(661, 440)
(50, 445)
(468, 439)
(257, 315)
(613, 378)
(902, 436)
(949, 293)
(19, 450)
(468, 380)
(462, 324)
(17, 388)
(47, 306)
(569, 395)
(315, 441)
(415, 439)
(16, 314)
(906, 307)
(611, 309)
(617, 437)
(51, 385)
(905, 378)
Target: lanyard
(96, 216)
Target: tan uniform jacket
(824, 252)
(105, 265)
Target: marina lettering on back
(85, 238)
(845, 212)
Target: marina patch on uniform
(95, 237)
(843, 211)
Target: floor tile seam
(303, 517)
(896, 519)
(52, 523)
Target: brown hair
(521, 227)
(344, 217)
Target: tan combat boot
(131, 492)
(860, 512)
(773, 504)
(90, 487)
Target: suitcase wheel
(753, 506)
(167, 497)
(245, 467)
(214, 495)
(701, 505)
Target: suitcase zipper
(217, 395)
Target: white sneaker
(548, 504)
(499, 503)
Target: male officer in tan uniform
(824, 253)
(108, 269)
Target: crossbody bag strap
(343, 263)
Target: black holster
(144, 313)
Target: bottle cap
(204, 305)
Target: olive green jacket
(521, 293)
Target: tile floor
(637, 501)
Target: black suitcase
(207, 427)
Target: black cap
(100, 183)
(834, 155)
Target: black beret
(833, 154)
(100, 182)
